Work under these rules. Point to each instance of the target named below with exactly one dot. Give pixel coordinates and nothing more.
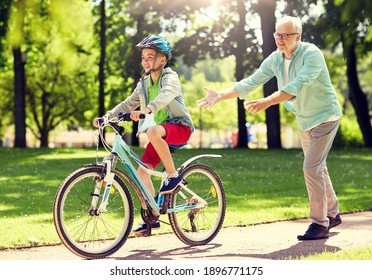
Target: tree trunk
(19, 79)
(44, 138)
(357, 96)
(239, 74)
(140, 19)
(19, 98)
(266, 10)
(101, 74)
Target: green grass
(261, 186)
(352, 254)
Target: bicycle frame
(94, 210)
(122, 151)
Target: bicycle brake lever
(102, 121)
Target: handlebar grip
(100, 121)
(126, 116)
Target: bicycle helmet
(157, 43)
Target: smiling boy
(159, 93)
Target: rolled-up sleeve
(261, 76)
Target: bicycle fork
(109, 165)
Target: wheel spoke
(84, 231)
(199, 226)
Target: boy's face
(148, 59)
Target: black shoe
(334, 222)
(314, 232)
(170, 184)
(142, 227)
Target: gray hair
(296, 23)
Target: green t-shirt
(161, 115)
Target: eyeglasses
(283, 36)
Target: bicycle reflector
(213, 191)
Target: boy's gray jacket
(169, 97)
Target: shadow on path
(301, 249)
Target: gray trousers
(316, 144)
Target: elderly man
(306, 90)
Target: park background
(64, 62)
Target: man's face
(287, 45)
(148, 59)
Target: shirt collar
(297, 49)
(157, 80)
(295, 52)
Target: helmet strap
(154, 69)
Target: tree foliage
(61, 42)
(59, 63)
(4, 16)
(348, 24)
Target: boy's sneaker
(170, 184)
(142, 227)
(334, 222)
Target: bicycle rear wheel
(200, 225)
(82, 230)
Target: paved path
(271, 241)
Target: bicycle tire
(199, 226)
(86, 235)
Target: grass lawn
(261, 186)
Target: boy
(158, 92)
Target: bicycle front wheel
(83, 230)
(200, 225)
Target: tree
(52, 103)
(266, 10)
(101, 75)
(102, 59)
(241, 47)
(348, 24)
(19, 75)
(58, 63)
(4, 16)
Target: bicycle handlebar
(121, 117)
(114, 124)
(126, 117)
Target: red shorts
(176, 134)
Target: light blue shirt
(315, 100)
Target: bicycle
(94, 211)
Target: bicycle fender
(186, 163)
